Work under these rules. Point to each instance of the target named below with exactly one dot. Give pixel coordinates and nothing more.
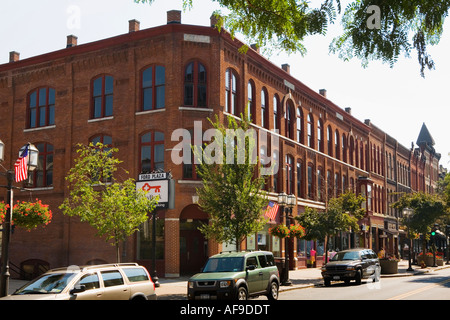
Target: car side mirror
(251, 267)
(78, 289)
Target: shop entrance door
(193, 247)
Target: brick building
(133, 90)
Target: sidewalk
(304, 278)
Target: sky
(397, 100)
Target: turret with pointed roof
(425, 138)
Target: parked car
(353, 264)
(236, 275)
(123, 281)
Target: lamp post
(286, 202)
(9, 174)
(407, 212)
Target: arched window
(289, 120)
(276, 113)
(264, 109)
(344, 148)
(43, 175)
(290, 174)
(102, 97)
(41, 108)
(153, 88)
(299, 179)
(106, 140)
(231, 93)
(337, 151)
(152, 151)
(195, 86)
(310, 131)
(320, 141)
(330, 141)
(320, 184)
(251, 101)
(299, 125)
(310, 181)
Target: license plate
(336, 277)
(204, 296)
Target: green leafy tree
(342, 214)
(232, 192)
(114, 208)
(426, 210)
(372, 29)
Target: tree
(114, 208)
(232, 192)
(372, 29)
(342, 214)
(426, 209)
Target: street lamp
(286, 202)
(32, 163)
(407, 213)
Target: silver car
(123, 281)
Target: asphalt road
(429, 286)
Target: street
(429, 286)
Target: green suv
(236, 275)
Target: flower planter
(439, 262)
(429, 261)
(389, 266)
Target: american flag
(272, 210)
(21, 166)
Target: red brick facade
(345, 153)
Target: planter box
(389, 267)
(439, 262)
(428, 261)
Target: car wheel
(273, 291)
(327, 282)
(358, 277)
(242, 293)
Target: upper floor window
(152, 151)
(41, 108)
(231, 94)
(195, 87)
(102, 97)
(289, 120)
(43, 175)
(153, 88)
(264, 108)
(310, 131)
(276, 113)
(299, 125)
(250, 101)
(102, 175)
(330, 141)
(320, 142)
(337, 151)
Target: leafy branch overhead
(402, 26)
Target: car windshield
(229, 264)
(349, 255)
(47, 283)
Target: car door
(93, 290)
(114, 285)
(366, 263)
(254, 275)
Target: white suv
(123, 281)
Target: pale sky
(396, 100)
